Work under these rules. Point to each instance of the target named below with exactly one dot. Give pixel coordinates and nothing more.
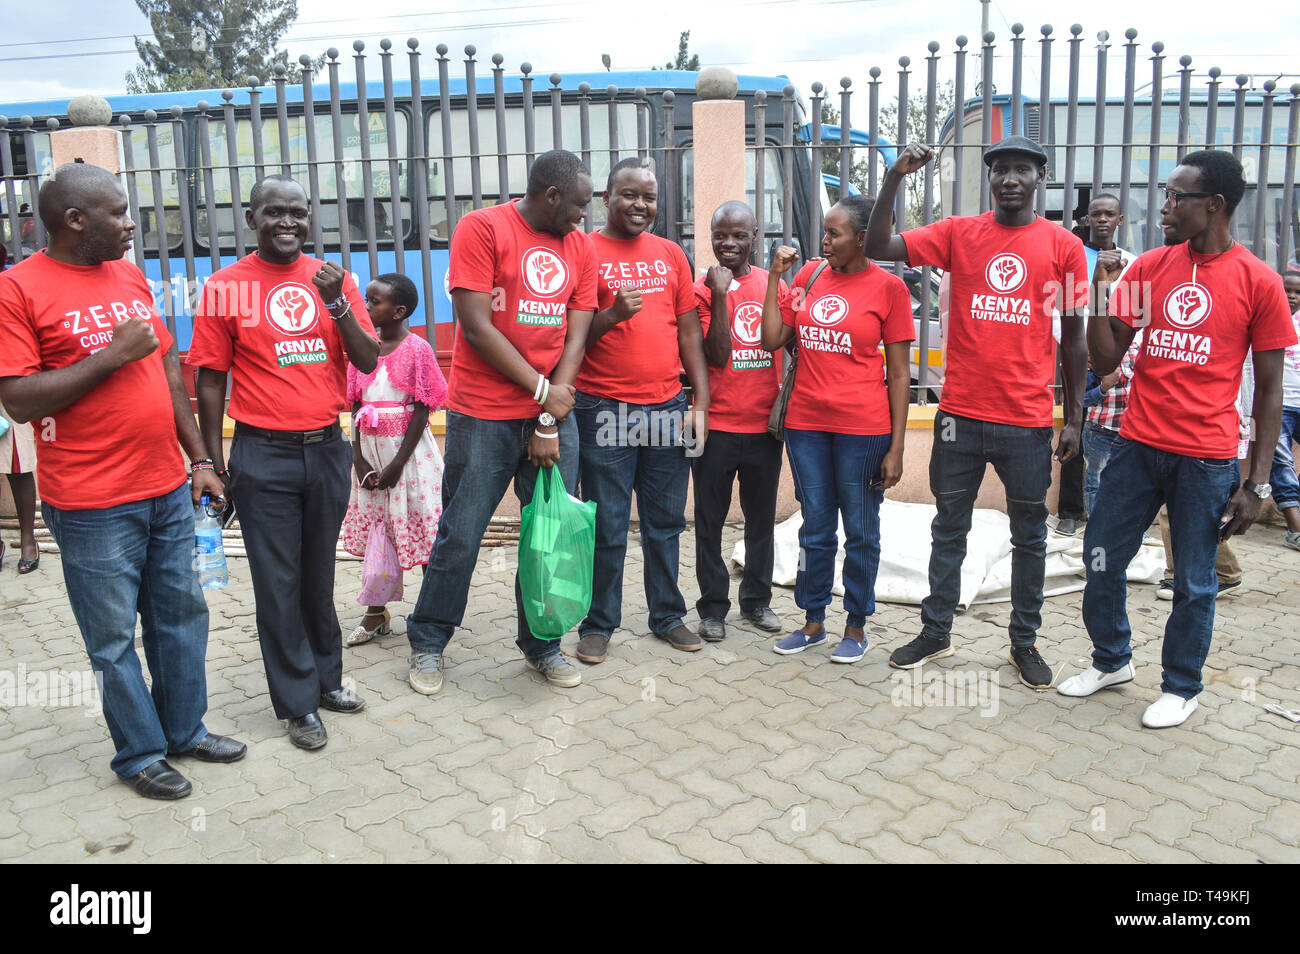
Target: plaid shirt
(1110, 408)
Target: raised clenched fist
(133, 339)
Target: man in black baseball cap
(1012, 271)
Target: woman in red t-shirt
(844, 425)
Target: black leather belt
(290, 437)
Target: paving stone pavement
(728, 754)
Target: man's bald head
(77, 185)
(734, 211)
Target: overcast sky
(805, 39)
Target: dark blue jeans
(482, 458)
(1137, 480)
(625, 448)
(1098, 444)
(832, 476)
(1286, 488)
(1022, 459)
(138, 559)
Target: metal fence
(391, 171)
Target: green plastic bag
(557, 543)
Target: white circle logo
(828, 311)
(545, 273)
(1005, 273)
(1188, 305)
(291, 307)
(747, 323)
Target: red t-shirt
(534, 279)
(117, 443)
(741, 394)
(1187, 376)
(269, 325)
(1001, 356)
(638, 360)
(840, 384)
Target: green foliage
(685, 59)
(211, 44)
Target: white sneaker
(1169, 710)
(1086, 683)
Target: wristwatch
(1261, 491)
(546, 419)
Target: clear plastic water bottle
(209, 554)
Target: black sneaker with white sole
(1034, 672)
(920, 650)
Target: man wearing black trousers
(743, 383)
(286, 325)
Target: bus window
(354, 172)
(571, 132)
(147, 213)
(772, 214)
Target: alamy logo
(1188, 305)
(545, 273)
(74, 907)
(830, 310)
(291, 307)
(747, 323)
(1005, 273)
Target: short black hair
(255, 195)
(1105, 195)
(559, 168)
(403, 290)
(73, 186)
(631, 162)
(859, 209)
(1220, 173)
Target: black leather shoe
(307, 732)
(342, 700)
(216, 748)
(160, 780)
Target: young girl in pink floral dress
(397, 463)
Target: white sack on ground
(985, 573)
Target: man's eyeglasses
(1173, 197)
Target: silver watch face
(546, 419)
(1263, 490)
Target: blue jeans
(1098, 444)
(138, 558)
(1022, 459)
(482, 458)
(1137, 480)
(625, 448)
(832, 476)
(1286, 488)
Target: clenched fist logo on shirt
(292, 308)
(1188, 305)
(545, 273)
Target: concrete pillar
(89, 139)
(718, 136)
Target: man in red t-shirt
(1011, 271)
(523, 283)
(286, 325)
(633, 422)
(83, 354)
(743, 383)
(1204, 301)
